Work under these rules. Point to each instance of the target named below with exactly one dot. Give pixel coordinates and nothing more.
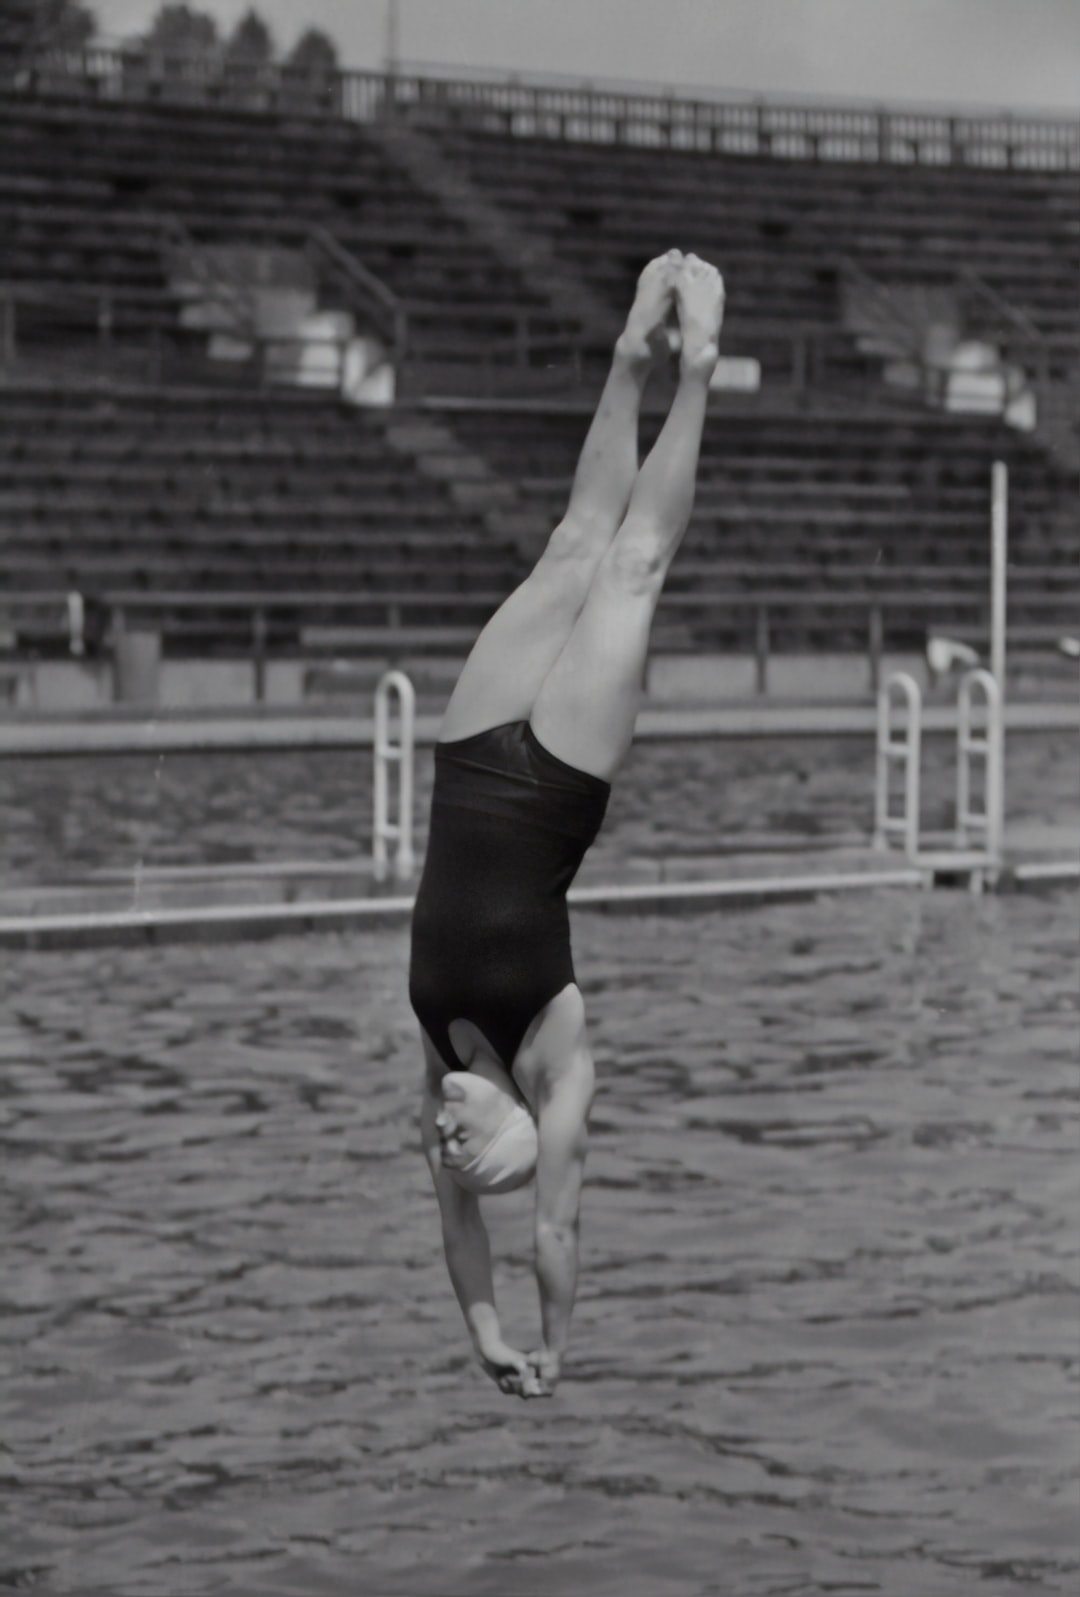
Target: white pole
(995, 709)
(999, 551)
(382, 831)
(405, 860)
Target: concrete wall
(71, 686)
(708, 678)
(64, 686)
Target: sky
(1014, 54)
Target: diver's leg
(586, 708)
(519, 645)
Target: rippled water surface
(826, 1337)
(63, 816)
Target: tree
(314, 54)
(180, 30)
(251, 43)
(62, 25)
(17, 25)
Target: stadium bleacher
(782, 226)
(84, 188)
(204, 497)
(220, 492)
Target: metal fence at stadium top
(533, 108)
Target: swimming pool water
(826, 1331)
(63, 817)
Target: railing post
(400, 753)
(906, 752)
(799, 361)
(258, 651)
(105, 319)
(876, 646)
(761, 648)
(114, 636)
(156, 353)
(7, 328)
(401, 333)
(76, 623)
(955, 147)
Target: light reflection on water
(826, 1333)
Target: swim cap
(508, 1160)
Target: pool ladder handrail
(394, 684)
(906, 752)
(987, 822)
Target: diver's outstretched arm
(468, 1260)
(562, 1126)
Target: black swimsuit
(510, 825)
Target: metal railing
(87, 330)
(904, 751)
(1050, 367)
(184, 255)
(890, 318)
(90, 330)
(573, 112)
(259, 626)
(979, 831)
(987, 822)
(394, 688)
(366, 294)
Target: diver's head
(488, 1136)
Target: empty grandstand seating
(225, 493)
(113, 171)
(783, 227)
(85, 190)
(206, 502)
(230, 497)
(847, 502)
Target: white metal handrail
(394, 684)
(906, 752)
(986, 823)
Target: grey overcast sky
(994, 53)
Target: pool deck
(177, 732)
(207, 903)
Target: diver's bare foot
(645, 336)
(699, 300)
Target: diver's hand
(509, 1369)
(545, 1368)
